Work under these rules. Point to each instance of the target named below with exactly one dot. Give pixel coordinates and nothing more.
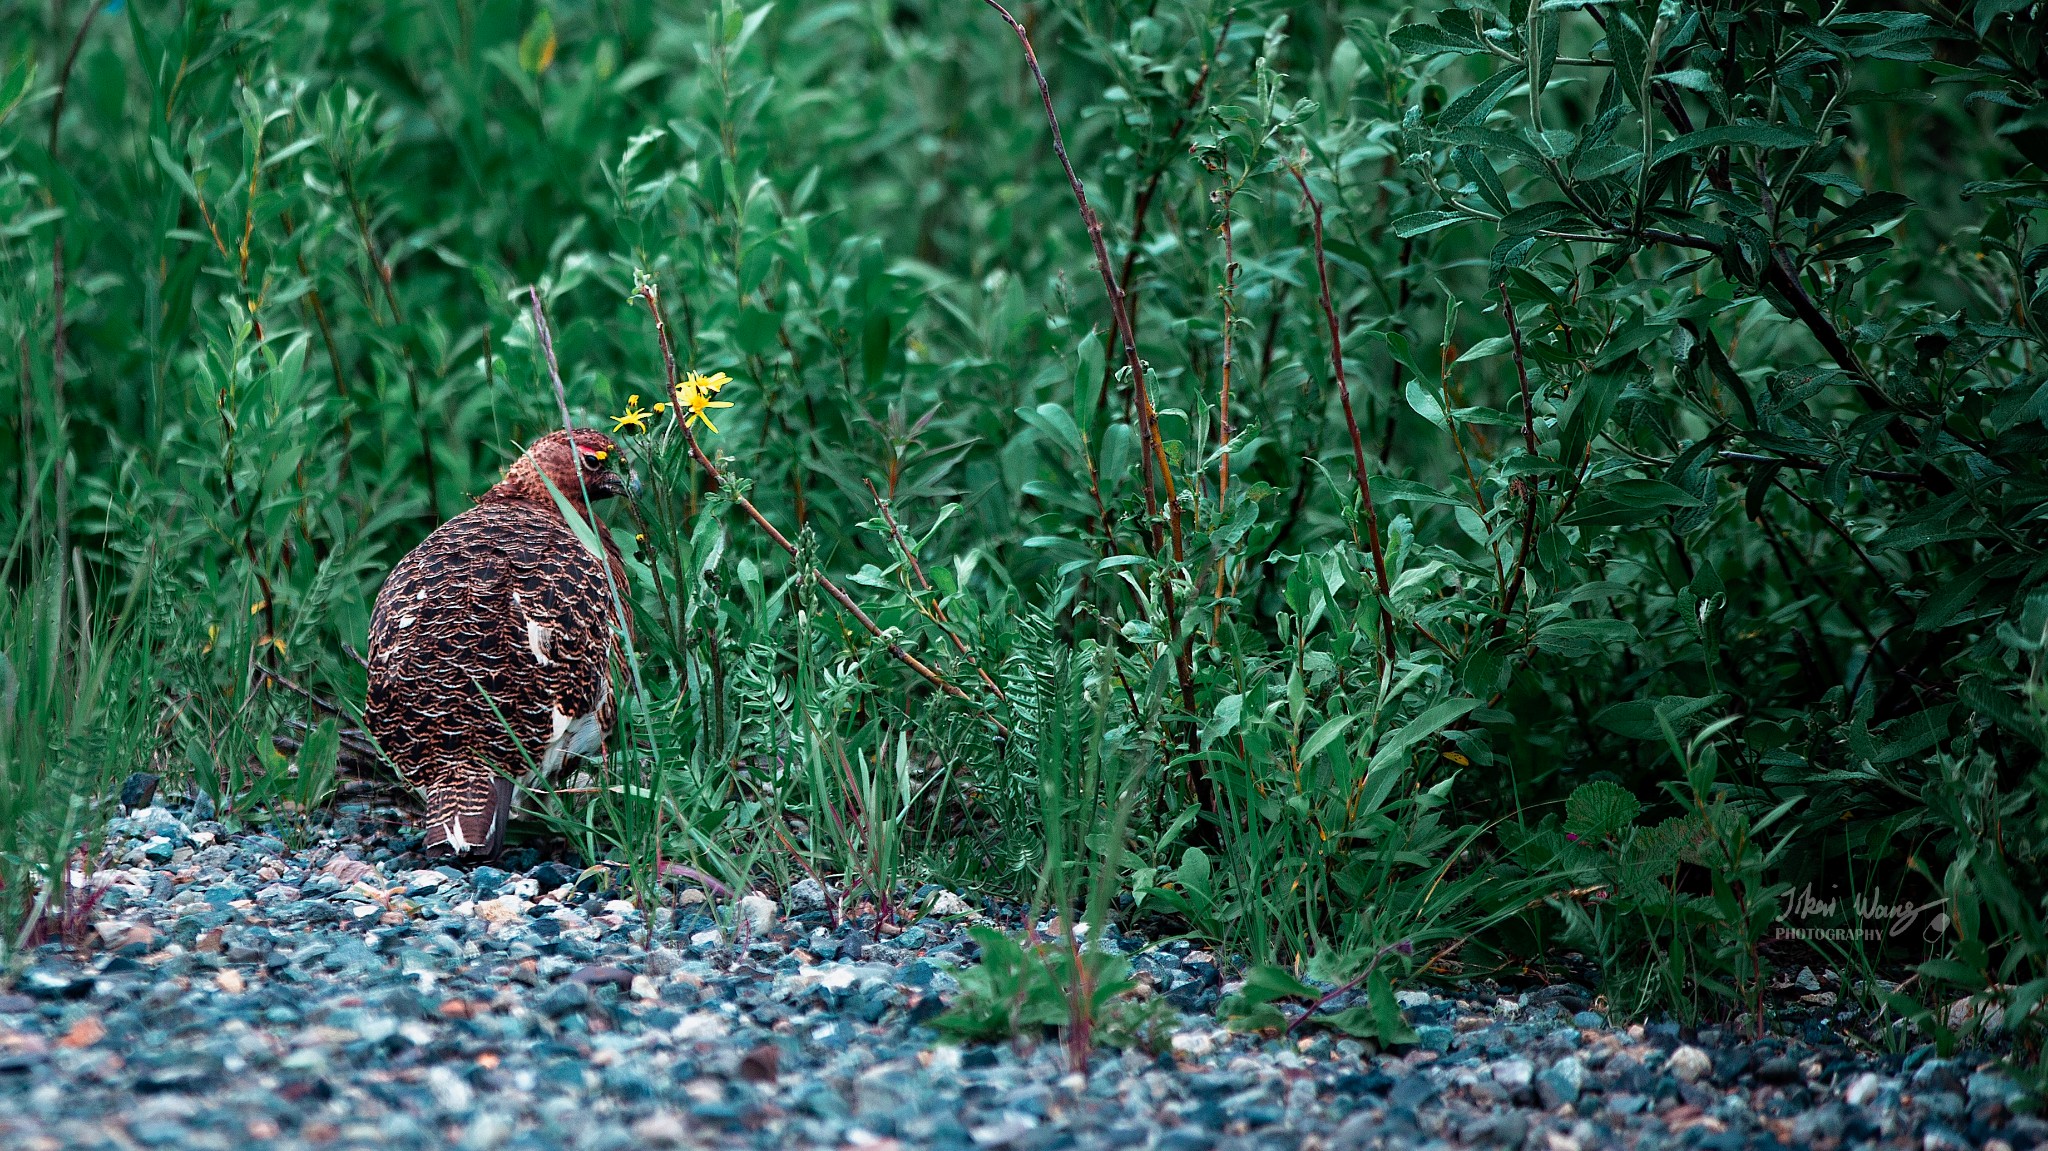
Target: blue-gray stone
(1561, 1082)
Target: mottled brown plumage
(500, 619)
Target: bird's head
(585, 461)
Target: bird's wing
(499, 620)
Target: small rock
(1561, 1082)
(450, 1091)
(1514, 1074)
(761, 1064)
(758, 913)
(1689, 1064)
(565, 999)
(138, 791)
(1780, 1070)
(947, 904)
(661, 1129)
(807, 895)
(1193, 1044)
(553, 875)
(1862, 1089)
(852, 948)
(597, 975)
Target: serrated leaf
(1599, 809)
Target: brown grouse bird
(492, 643)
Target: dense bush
(1690, 358)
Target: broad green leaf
(1770, 137)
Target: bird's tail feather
(467, 815)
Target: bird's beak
(617, 484)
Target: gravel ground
(344, 995)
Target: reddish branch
(1148, 416)
(938, 609)
(1371, 513)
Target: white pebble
(1689, 1064)
(758, 911)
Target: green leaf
(1423, 223)
(1267, 982)
(1630, 50)
(1228, 710)
(537, 46)
(1649, 494)
(1432, 40)
(1390, 488)
(1386, 1014)
(1771, 137)
(1426, 405)
(1568, 635)
(874, 346)
(1599, 809)
(1432, 720)
(1637, 718)
(1324, 737)
(1477, 102)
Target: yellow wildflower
(701, 404)
(634, 418)
(699, 384)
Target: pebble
(323, 991)
(1689, 1064)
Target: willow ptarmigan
(501, 619)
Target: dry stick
(1525, 483)
(1148, 417)
(547, 344)
(938, 612)
(1372, 519)
(58, 425)
(718, 480)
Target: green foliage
(1618, 422)
(76, 715)
(1020, 990)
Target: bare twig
(1223, 392)
(1372, 519)
(1148, 425)
(1148, 416)
(937, 612)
